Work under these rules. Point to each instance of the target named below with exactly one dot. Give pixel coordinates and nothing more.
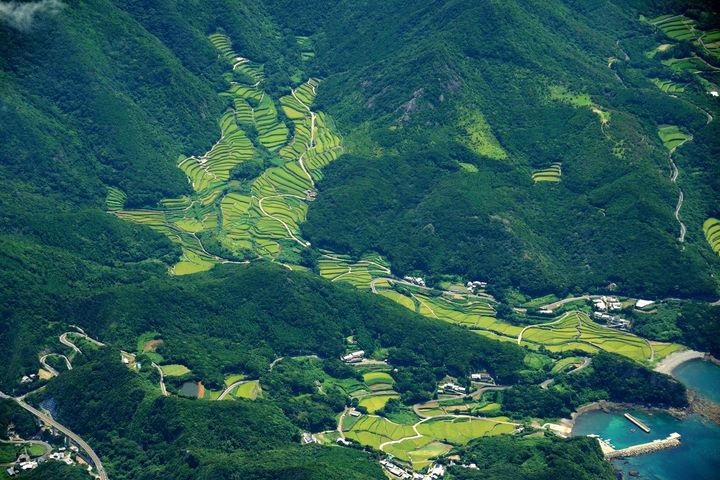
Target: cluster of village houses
(605, 306)
(25, 463)
(434, 472)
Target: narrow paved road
(162, 379)
(227, 391)
(560, 303)
(67, 432)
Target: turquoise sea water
(698, 456)
(702, 376)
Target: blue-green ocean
(698, 456)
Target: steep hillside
(512, 88)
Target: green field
(376, 402)
(248, 216)
(711, 228)
(115, 199)
(565, 364)
(174, 370)
(248, 390)
(437, 435)
(550, 174)
(459, 431)
(235, 377)
(671, 136)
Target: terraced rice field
(711, 228)
(459, 431)
(115, 199)
(341, 268)
(434, 437)
(692, 65)
(373, 431)
(672, 136)
(668, 86)
(417, 451)
(378, 381)
(677, 27)
(575, 331)
(550, 174)
(307, 47)
(249, 218)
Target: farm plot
(671, 136)
(248, 216)
(711, 228)
(550, 174)
(174, 370)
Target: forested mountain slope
(545, 148)
(497, 85)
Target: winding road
(162, 379)
(54, 372)
(674, 173)
(46, 419)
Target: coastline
(674, 360)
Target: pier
(637, 422)
(672, 440)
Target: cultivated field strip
(711, 228)
(550, 174)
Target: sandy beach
(672, 361)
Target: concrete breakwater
(671, 441)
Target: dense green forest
(446, 110)
(510, 458)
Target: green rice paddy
(711, 227)
(668, 86)
(565, 364)
(174, 370)
(671, 136)
(249, 218)
(377, 378)
(550, 174)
